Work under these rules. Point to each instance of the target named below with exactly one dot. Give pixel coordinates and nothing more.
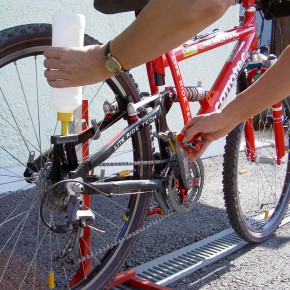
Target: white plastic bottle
(67, 31)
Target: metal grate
(180, 263)
(185, 261)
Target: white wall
(104, 27)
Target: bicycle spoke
(34, 257)
(20, 214)
(86, 110)
(25, 140)
(37, 241)
(14, 157)
(16, 242)
(63, 268)
(14, 210)
(38, 106)
(13, 117)
(26, 102)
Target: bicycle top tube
(247, 41)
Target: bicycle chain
(127, 237)
(138, 231)
(136, 163)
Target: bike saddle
(118, 6)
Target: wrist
(231, 115)
(112, 62)
(101, 64)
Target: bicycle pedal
(194, 145)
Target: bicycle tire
(256, 194)
(19, 45)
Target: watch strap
(107, 49)
(107, 54)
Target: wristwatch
(112, 64)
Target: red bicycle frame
(247, 42)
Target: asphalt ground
(262, 266)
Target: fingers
(190, 132)
(191, 129)
(53, 52)
(52, 63)
(198, 125)
(60, 84)
(56, 79)
(53, 75)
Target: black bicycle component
(106, 151)
(20, 52)
(33, 164)
(58, 163)
(185, 176)
(118, 6)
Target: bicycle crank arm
(186, 178)
(125, 186)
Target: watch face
(113, 65)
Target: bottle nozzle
(65, 119)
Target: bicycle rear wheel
(28, 249)
(256, 192)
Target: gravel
(207, 218)
(263, 266)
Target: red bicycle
(72, 206)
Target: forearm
(273, 86)
(160, 28)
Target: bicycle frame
(247, 42)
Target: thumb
(190, 132)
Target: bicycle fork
(277, 112)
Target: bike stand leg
(85, 241)
(130, 278)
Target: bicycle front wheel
(256, 191)
(28, 249)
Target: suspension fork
(250, 140)
(277, 111)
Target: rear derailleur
(76, 219)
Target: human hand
(70, 67)
(212, 127)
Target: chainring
(180, 199)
